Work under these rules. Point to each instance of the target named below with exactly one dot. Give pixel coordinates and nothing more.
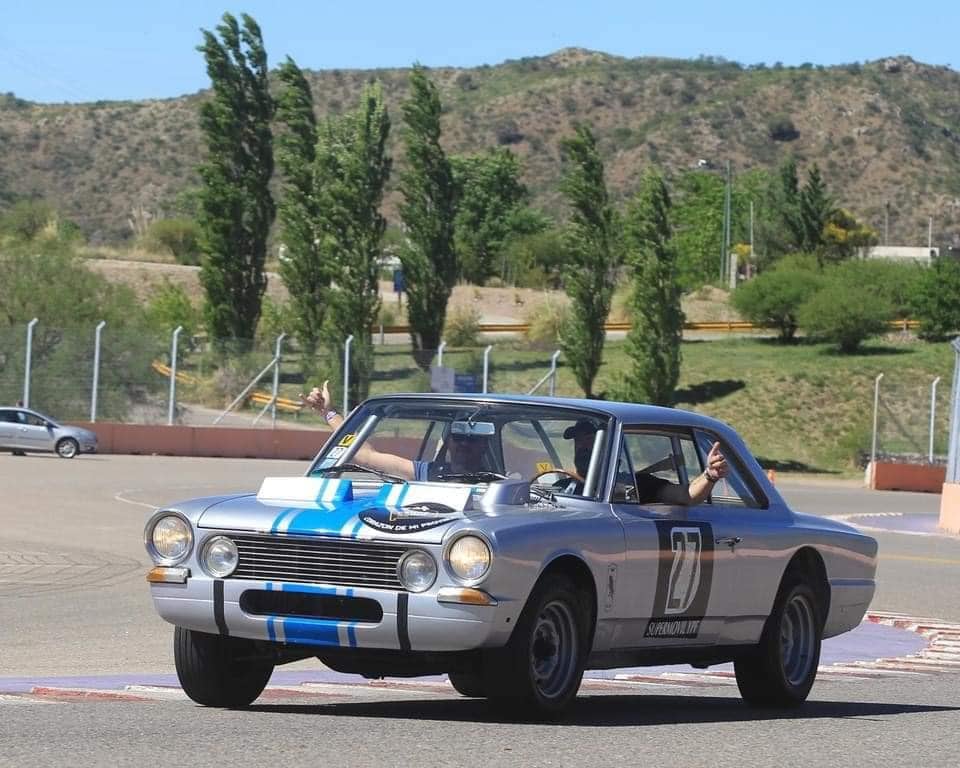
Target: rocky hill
(886, 131)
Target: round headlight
(170, 539)
(417, 571)
(469, 558)
(220, 557)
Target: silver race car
(511, 543)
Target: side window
(691, 459)
(8, 416)
(35, 421)
(625, 488)
(654, 465)
(733, 489)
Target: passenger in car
(650, 488)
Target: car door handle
(730, 541)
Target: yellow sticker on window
(544, 466)
(347, 440)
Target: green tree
(236, 208)
(490, 199)
(847, 310)
(653, 342)
(304, 269)
(356, 168)
(428, 210)
(594, 246)
(786, 199)
(536, 259)
(697, 219)
(169, 307)
(936, 300)
(844, 236)
(816, 208)
(774, 297)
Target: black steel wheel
(469, 684)
(218, 671)
(782, 669)
(540, 669)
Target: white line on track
(118, 496)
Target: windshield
(469, 442)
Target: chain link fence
(912, 417)
(236, 382)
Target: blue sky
(64, 50)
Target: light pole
(346, 375)
(96, 370)
(27, 364)
(173, 375)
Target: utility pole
(929, 234)
(751, 232)
(886, 222)
(725, 261)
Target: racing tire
(218, 671)
(469, 684)
(781, 670)
(539, 670)
(67, 448)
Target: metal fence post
(933, 413)
(346, 375)
(443, 345)
(553, 373)
(276, 380)
(96, 370)
(173, 375)
(486, 367)
(876, 409)
(953, 470)
(28, 362)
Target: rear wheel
(540, 668)
(67, 448)
(218, 671)
(782, 669)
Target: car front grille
(315, 560)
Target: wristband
(710, 478)
(329, 415)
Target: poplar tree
(304, 270)
(656, 328)
(352, 170)
(236, 209)
(427, 210)
(592, 238)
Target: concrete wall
(228, 442)
(889, 476)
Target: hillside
(882, 131)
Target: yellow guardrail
(283, 403)
(164, 370)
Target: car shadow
(606, 710)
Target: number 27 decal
(684, 579)
(687, 546)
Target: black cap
(582, 427)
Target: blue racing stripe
(351, 627)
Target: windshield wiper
(481, 476)
(387, 478)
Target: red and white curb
(941, 655)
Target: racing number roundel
(684, 578)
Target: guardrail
(727, 326)
(283, 403)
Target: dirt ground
(495, 305)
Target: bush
(27, 219)
(846, 313)
(462, 328)
(775, 297)
(169, 307)
(781, 128)
(178, 237)
(936, 299)
(545, 323)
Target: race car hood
(307, 506)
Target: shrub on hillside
(845, 313)
(178, 237)
(936, 299)
(896, 282)
(781, 128)
(169, 307)
(775, 297)
(462, 328)
(545, 323)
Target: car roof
(628, 413)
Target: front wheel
(67, 448)
(218, 671)
(781, 670)
(541, 667)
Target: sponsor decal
(684, 579)
(410, 519)
(544, 466)
(336, 452)
(347, 440)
